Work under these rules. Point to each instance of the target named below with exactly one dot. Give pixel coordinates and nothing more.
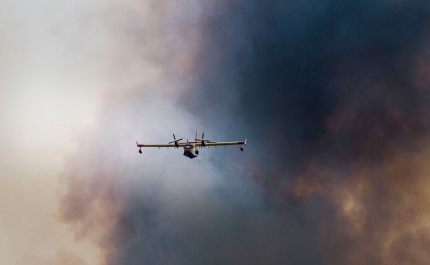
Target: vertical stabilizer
(197, 136)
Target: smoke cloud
(333, 98)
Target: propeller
(175, 141)
(203, 140)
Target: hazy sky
(333, 97)
(59, 60)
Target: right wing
(223, 143)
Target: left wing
(156, 145)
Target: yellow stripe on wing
(225, 143)
(156, 145)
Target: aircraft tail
(197, 136)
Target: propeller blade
(176, 140)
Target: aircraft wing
(157, 145)
(224, 143)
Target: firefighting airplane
(191, 148)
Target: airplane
(191, 148)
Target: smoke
(333, 97)
(161, 208)
(158, 207)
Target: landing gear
(241, 148)
(140, 151)
(197, 152)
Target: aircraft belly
(189, 154)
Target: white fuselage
(191, 151)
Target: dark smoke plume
(334, 98)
